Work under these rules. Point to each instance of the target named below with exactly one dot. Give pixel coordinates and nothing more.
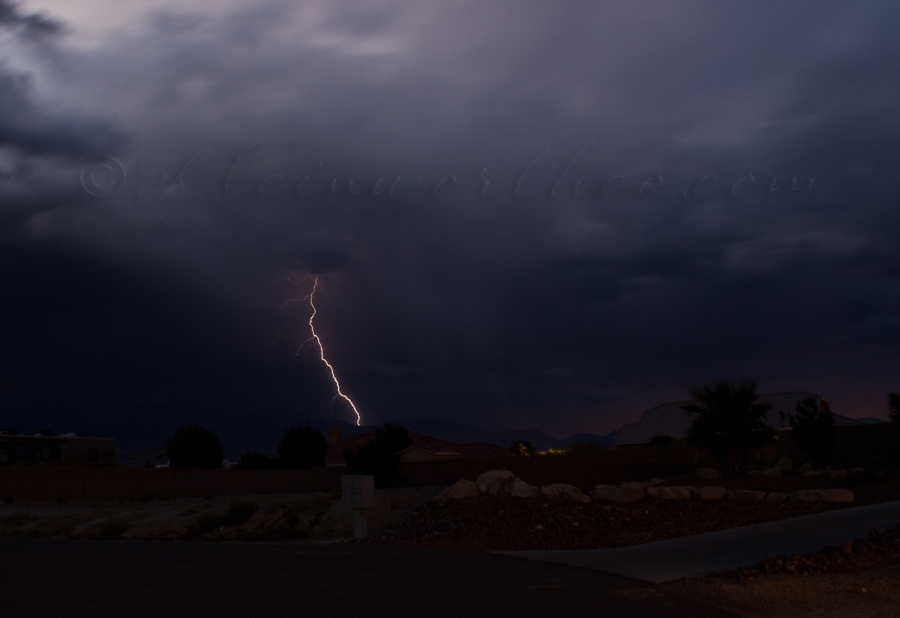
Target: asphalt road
(167, 579)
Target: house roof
(472, 450)
(670, 420)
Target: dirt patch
(863, 593)
(317, 516)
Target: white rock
(460, 489)
(612, 493)
(745, 495)
(675, 493)
(651, 492)
(708, 493)
(857, 471)
(569, 492)
(814, 473)
(807, 467)
(521, 489)
(784, 464)
(822, 495)
(708, 474)
(495, 482)
(773, 473)
(776, 497)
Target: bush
(522, 448)
(813, 431)
(302, 447)
(254, 460)
(113, 529)
(239, 513)
(193, 446)
(380, 456)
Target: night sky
(550, 215)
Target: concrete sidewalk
(727, 549)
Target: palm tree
(728, 421)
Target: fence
(584, 470)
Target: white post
(359, 493)
(360, 525)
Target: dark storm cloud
(737, 211)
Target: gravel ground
(503, 523)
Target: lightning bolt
(315, 337)
(312, 330)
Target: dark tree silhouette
(194, 446)
(813, 431)
(380, 456)
(254, 460)
(302, 446)
(728, 421)
(894, 407)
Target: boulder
(784, 464)
(857, 471)
(837, 474)
(773, 473)
(521, 489)
(814, 473)
(777, 498)
(761, 472)
(822, 495)
(612, 493)
(495, 482)
(708, 493)
(745, 495)
(708, 474)
(651, 492)
(675, 493)
(807, 467)
(460, 489)
(569, 492)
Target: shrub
(522, 448)
(113, 529)
(302, 446)
(239, 513)
(193, 446)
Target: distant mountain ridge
(453, 431)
